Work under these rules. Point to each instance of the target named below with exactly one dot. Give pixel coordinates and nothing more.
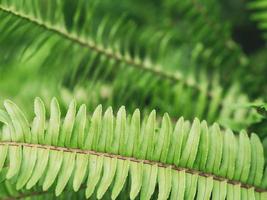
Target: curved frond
(112, 154)
(32, 13)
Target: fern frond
(110, 154)
(90, 40)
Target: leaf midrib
(132, 159)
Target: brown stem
(132, 159)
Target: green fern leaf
(189, 161)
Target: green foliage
(126, 155)
(183, 58)
(113, 49)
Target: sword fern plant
(174, 58)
